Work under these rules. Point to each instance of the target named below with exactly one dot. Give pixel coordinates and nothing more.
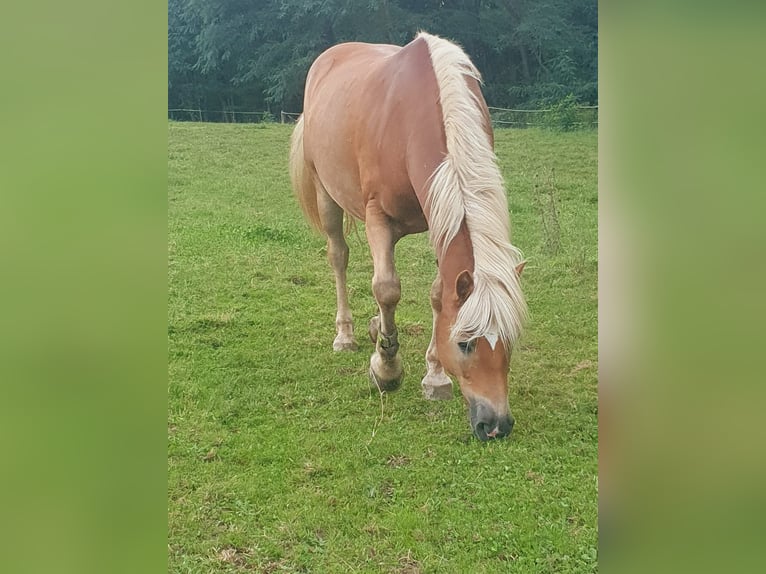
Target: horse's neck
(426, 146)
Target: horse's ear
(520, 268)
(463, 286)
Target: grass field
(280, 459)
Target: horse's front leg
(385, 363)
(436, 384)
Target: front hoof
(385, 375)
(344, 344)
(387, 385)
(437, 387)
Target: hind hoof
(344, 344)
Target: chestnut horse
(400, 138)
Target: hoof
(374, 329)
(387, 385)
(344, 344)
(385, 375)
(437, 387)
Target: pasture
(281, 458)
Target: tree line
(254, 54)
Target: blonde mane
(468, 186)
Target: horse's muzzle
(486, 423)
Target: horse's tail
(303, 182)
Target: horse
(400, 137)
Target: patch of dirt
(311, 470)
(408, 565)
(576, 525)
(397, 461)
(240, 559)
(580, 366)
(387, 490)
(414, 329)
(535, 477)
(211, 455)
(271, 566)
(234, 556)
(507, 557)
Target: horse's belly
(346, 193)
(403, 208)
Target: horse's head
(480, 364)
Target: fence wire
(573, 117)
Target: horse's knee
(387, 291)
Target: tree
(255, 54)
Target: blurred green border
(681, 285)
(83, 359)
(83, 260)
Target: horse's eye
(467, 346)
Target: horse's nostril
(487, 431)
(486, 423)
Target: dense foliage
(254, 54)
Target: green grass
(280, 459)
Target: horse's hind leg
(385, 363)
(331, 217)
(436, 384)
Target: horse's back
(335, 100)
(362, 104)
(333, 109)
(345, 61)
